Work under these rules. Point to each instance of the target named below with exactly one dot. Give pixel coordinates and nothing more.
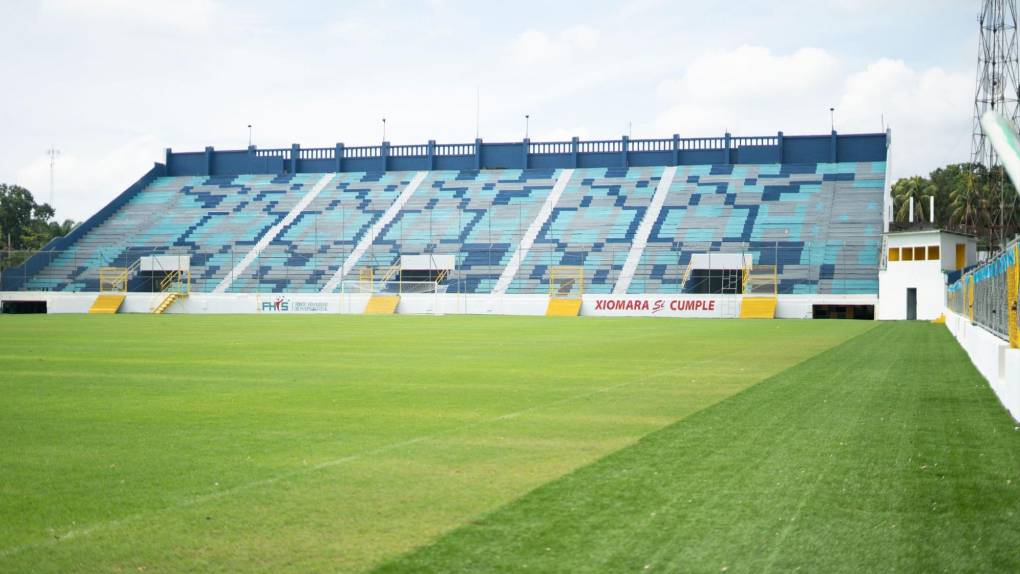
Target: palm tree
(965, 200)
(917, 188)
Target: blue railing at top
(994, 267)
(624, 152)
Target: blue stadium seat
(818, 223)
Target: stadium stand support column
(532, 233)
(270, 235)
(637, 248)
(369, 238)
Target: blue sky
(111, 83)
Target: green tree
(25, 224)
(947, 180)
(918, 188)
(968, 197)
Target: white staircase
(270, 235)
(637, 247)
(531, 234)
(374, 231)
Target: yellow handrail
(115, 279)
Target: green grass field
(495, 444)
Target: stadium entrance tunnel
(148, 281)
(861, 312)
(422, 275)
(23, 307)
(716, 282)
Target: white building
(912, 282)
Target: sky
(113, 83)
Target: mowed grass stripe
(287, 444)
(888, 453)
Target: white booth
(912, 282)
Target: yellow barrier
(758, 307)
(382, 305)
(563, 308)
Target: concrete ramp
(107, 304)
(382, 305)
(563, 308)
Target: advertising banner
(660, 306)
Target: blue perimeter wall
(624, 152)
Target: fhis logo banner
(275, 305)
(282, 304)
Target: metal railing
(988, 294)
(306, 265)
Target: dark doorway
(862, 312)
(24, 307)
(715, 282)
(911, 304)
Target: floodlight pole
(53, 153)
(998, 89)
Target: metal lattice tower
(998, 79)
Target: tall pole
(384, 129)
(998, 88)
(527, 120)
(53, 153)
(249, 135)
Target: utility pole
(52, 153)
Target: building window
(894, 254)
(919, 254)
(908, 254)
(933, 253)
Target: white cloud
(534, 46)
(751, 91)
(102, 73)
(182, 15)
(749, 73)
(86, 179)
(926, 109)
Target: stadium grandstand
(780, 216)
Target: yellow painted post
(1012, 284)
(970, 297)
